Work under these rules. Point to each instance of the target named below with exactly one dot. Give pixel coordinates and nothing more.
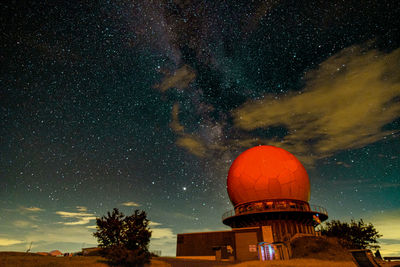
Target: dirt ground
(291, 263)
(33, 260)
(12, 259)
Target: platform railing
(319, 209)
(274, 208)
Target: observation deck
(260, 212)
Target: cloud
(81, 208)
(80, 218)
(61, 234)
(162, 233)
(66, 214)
(206, 138)
(187, 141)
(180, 79)
(343, 163)
(81, 221)
(192, 144)
(390, 249)
(69, 234)
(175, 125)
(130, 204)
(24, 224)
(179, 215)
(34, 218)
(151, 223)
(32, 209)
(346, 104)
(163, 239)
(387, 185)
(9, 242)
(387, 224)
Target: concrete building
(269, 189)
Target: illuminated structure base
(260, 230)
(286, 218)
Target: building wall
(206, 244)
(203, 244)
(246, 245)
(283, 230)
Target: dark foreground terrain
(310, 252)
(12, 259)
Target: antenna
(29, 249)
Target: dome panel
(267, 172)
(274, 186)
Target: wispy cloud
(179, 79)
(24, 224)
(175, 124)
(192, 144)
(62, 234)
(162, 233)
(345, 105)
(81, 208)
(66, 214)
(9, 242)
(163, 239)
(32, 209)
(180, 215)
(387, 224)
(81, 221)
(151, 223)
(130, 204)
(80, 218)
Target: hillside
(323, 248)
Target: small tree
(124, 239)
(353, 235)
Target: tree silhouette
(124, 239)
(353, 235)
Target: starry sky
(145, 105)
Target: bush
(353, 235)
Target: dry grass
(12, 259)
(297, 263)
(31, 259)
(159, 263)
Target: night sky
(145, 104)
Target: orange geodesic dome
(267, 172)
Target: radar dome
(267, 172)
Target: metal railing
(319, 209)
(274, 208)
